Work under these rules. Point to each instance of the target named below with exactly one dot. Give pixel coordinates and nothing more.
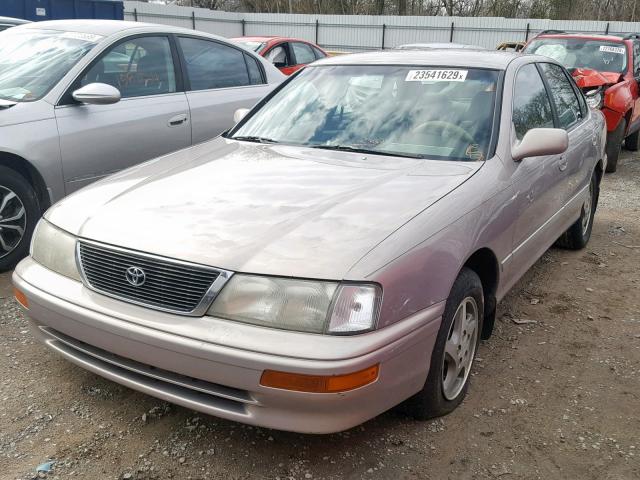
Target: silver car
(339, 251)
(81, 99)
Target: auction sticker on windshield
(606, 48)
(436, 76)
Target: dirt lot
(554, 399)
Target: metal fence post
(384, 29)
(317, 28)
(193, 19)
(606, 31)
(243, 22)
(526, 37)
(451, 34)
(135, 14)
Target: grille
(168, 285)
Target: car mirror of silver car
(97, 94)
(240, 114)
(541, 141)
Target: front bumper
(214, 366)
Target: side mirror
(541, 141)
(279, 64)
(97, 94)
(240, 114)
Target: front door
(537, 181)
(150, 120)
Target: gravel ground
(553, 398)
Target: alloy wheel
(460, 348)
(13, 221)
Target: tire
(578, 234)
(442, 391)
(631, 142)
(19, 213)
(614, 146)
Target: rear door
(150, 120)
(220, 78)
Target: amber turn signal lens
(319, 383)
(21, 298)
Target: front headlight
(594, 98)
(55, 249)
(299, 305)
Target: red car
(288, 54)
(607, 69)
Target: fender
(618, 100)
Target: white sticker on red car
(610, 49)
(440, 75)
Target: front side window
(604, 56)
(563, 94)
(531, 107)
(33, 61)
(213, 65)
(277, 56)
(636, 58)
(138, 67)
(303, 53)
(419, 112)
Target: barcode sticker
(610, 49)
(436, 75)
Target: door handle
(178, 120)
(562, 165)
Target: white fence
(361, 32)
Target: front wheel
(19, 213)
(454, 351)
(578, 234)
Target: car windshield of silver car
(33, 61)
(430, 112)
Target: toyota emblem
(135, 276)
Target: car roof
(269, 38)
(450, 57)
(106, 27)
(417, 46)
(590, 36)
(12, 21)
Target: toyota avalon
(339, 251)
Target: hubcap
(460, 348)
(586, 210)
(13, 221)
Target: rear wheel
(454, 352)
(19, 213)
(578, 234)
(614, 146)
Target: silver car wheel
(460, 348)
(13, 221)
(587, 210)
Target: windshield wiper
(255, 139)
(347, 148)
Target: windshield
(253, 46)
(33, 61)
(425, 112)
(580, 53)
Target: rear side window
(255, 74)
(318, 52)
(563, 95)
(636, 58)
(213, 65)
(303, 53)
(531, 106)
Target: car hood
(267, 209)
(587, 78)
